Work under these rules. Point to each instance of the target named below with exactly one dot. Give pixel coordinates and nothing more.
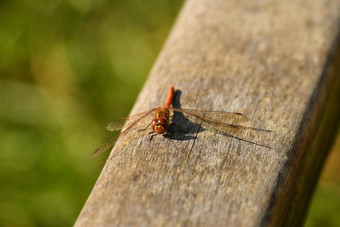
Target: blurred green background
(68, 67)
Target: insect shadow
(181, 127)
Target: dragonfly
(227, 123)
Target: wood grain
(276, 62)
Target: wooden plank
(275, 61)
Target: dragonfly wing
(104, 147)
(215, 119)
(112, 141)
(215, 116)
(227, 123)
(118, 124)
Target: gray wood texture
(276, 62)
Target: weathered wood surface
(275, 61)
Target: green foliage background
(67, 68)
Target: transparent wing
(228, 123)
(118, 124)
(219, 119)
(105, 146)
(112, 141)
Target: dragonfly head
(159, 125)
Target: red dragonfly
(219, 121)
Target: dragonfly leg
(143, 129)
(168, 134)
(151, 135)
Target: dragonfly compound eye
(159, 125)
